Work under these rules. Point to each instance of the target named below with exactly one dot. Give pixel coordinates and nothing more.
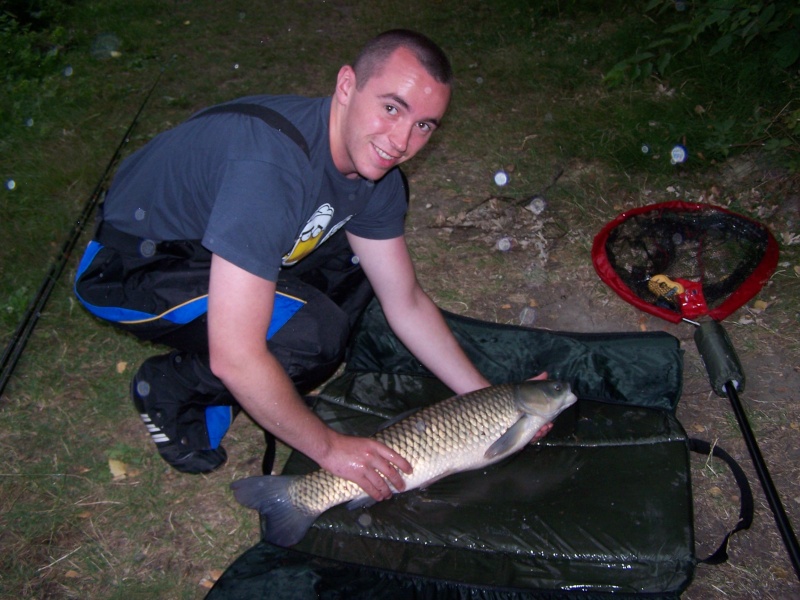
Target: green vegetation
(736, 59)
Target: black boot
(185, 414)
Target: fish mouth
(558, 399)
(570, 398)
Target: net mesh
(686, 259)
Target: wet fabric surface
(602, 506)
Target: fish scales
(452, 429)
(457, 434)
(431, 440)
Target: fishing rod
(23, 332)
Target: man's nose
(399, 137)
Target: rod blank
(24, 329)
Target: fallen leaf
(119, 470)
(779, 572)
(215, 574)
(760, 305)
(72, 574)
(206, 583)
(715, 491)
(121, 366)
(85, 515)
(506, 306)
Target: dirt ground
(547, 280)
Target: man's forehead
(405, 81)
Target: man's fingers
(545, 429)
(393, 476)
(385, 472)
(400, 462)
(375, 485)
(389, 469)
(376, 468)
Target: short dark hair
(378, 50)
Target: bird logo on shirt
(313, 234)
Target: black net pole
(726, 375)
(774, 500)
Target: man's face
(389, 119)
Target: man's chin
(374, 174)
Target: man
(236, 203)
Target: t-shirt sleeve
(250, 222)
(384, 216)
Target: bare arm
(239, 311)
(415, 318)
(412, 314)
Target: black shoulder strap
(270, 117)
(745, 493)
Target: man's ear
(345, 84)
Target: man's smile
(384, 155)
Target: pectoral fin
(508, 441)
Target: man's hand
(542, 432)
(547, 426)
(375, 467)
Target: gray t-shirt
(248, 191)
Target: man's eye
(392, 110)
(425, 127)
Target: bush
(720, 25)
(24, 52)
(754, 47)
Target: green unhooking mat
(601, 507)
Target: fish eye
(558, 387)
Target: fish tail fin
(268, 494)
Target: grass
(529, 97)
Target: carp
(461, 433)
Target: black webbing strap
(745, 493)
(133, 245)
(277, 121)
(270, 117)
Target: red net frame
(698, 222)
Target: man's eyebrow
(401, 101)
(396, 99)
